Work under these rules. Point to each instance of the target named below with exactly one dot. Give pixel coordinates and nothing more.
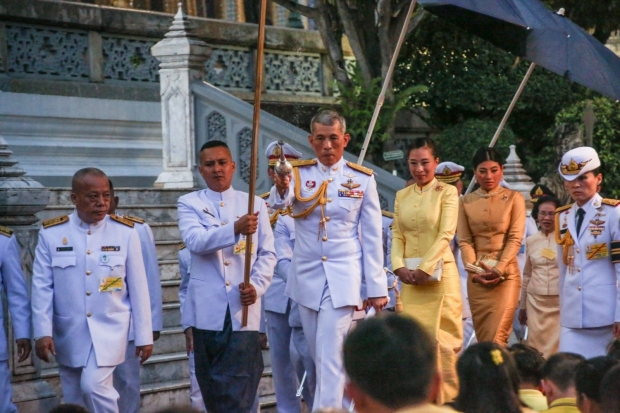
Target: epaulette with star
(387, 214)
(134, 219)
(182, 246)
(612, 202)
(360, 168)
(55, 221)
(121, 220)
(7, 232)
(303, 162)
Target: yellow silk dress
(424, 224)
(492, 224)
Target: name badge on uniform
(109, 284)
(240, 247)
(597, 251)
(548, 253)
(110, 248)
(60, 249)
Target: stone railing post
(182, 56)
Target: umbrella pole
(500, 128)
(258, 85)
(386, 83)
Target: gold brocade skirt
(493, 307)
(543, 323)
(437, 306)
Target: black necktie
(580, 214)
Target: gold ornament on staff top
(283, 166)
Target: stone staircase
(165, 376)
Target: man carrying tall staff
(338, 242)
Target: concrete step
(170, 291)
(169, 270)
(127, 196)
(167, 250)
(171, 340)
(171, 316)
(165, 231)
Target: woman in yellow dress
(490, 226)
(540, 302)
(425, 216)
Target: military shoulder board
(304, 162)
(360, 168)
(182, 246)
(387, 214)
(612, 202)
(265, 195)
(134, 219)
(6, 231)
(55, 221)
(563, 208)
(122, 220)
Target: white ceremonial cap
(577, 162)
(449, 172)
(273, 151)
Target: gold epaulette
(134, 219)
(6, 231)
(122, 220)
(563, 208)
(359, 168)
(612, 202)
(55, 221)
(265, 195)
(182, 246)
(387, 214)
(303, 162)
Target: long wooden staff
(258, 85)
(386, 83)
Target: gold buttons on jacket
(88, 252)
(578, 269)
(89, 232)
(330, 179)
(88, 314)
(579, 288)
(329, 200)
(87, 292)
(227, 283)
(88, 272)
(577, 250)
(323, 258)
(227, 263)
(223, 222)
(222, 204)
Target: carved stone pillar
(182, 56)
(21, 198)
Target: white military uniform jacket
(206, 221)
(341, 256)
(12, 282)
(275, 298)
(185, 259)
(589, 294)
(72, 260)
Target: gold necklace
(421, 191)
(489, 195)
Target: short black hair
(487, 154)
(613, 349)
(488, 380)
(424, 143)
(82, 173)
(69, 408)
(589, 375)
(111, 185)
(392, 359)
(529, 362)
(560, 369)
(214, 144)
(610, 391)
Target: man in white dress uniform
(214, 223)
(88, 285)
(12, 282)
(588, 234)
(338, 241)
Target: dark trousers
(229, 365)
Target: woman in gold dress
(490, 226)
(540, 302)
(425, 216)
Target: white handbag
(414, 264)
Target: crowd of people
(367, 311)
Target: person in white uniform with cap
(588, 234)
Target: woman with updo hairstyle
(488, 380)
(425, 216)
(490, 227)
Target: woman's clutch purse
(414, 264)
(477, 268)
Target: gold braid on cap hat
(319, 198)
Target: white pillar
(182, 56)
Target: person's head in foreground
(488, 380)
(69, 408)
(529, 363)
(558, 376)
(581, 170)
(391, 364)
(588, 378)
(610, 391)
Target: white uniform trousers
(127, 381)
(589, 342)
(195, 397)
(325, 331)
(90, 386)
(284, 377)
(303, 363)
(6, 405)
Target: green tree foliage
(605, 138)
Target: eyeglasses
(546, 214)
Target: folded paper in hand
(414, 264)
(477, 268)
